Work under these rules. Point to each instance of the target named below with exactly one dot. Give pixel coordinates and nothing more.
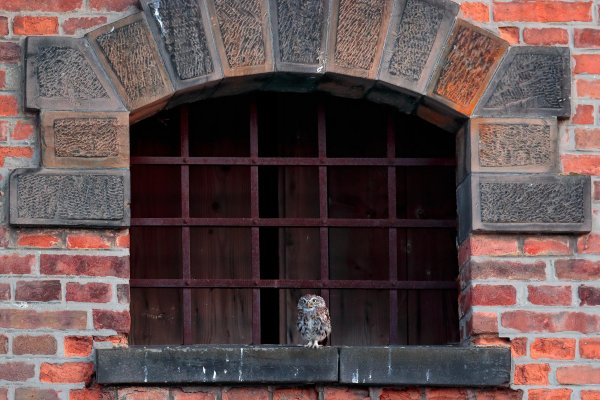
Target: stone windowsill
(368, 365)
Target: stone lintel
(85, 140)
(70, 197)
(62, 73)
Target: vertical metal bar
(254, 214)
(323, 209)
(185, 230)
(393, 232)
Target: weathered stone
(468, 64)
(85, 139)
(62, 73)
(519, 145)
(184, 38)
(357, 34)
(128, 51)
(418, 30)
(531, 81)
(403, 100)
(69, 197)
(524, 203)
(425, 365)
(222, 364)
(299, 35)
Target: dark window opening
(241, 205)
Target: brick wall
(64, 292)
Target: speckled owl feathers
(313, 319)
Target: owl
(313, 319)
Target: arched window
(242, 204)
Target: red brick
(119, 321)
(3, 238)
(91, 394)
(541, 246)
(123, 294)
(549, 295)
(342, 393)
(116, 340)
(3, 344)
(179, 394)
(587, 38)
(16, 152)
(31, 319)
(484, 245)
(28, 25)
(518, 347)
(245, 394)
(3, 394)
(4, 291)
(480, 270)
(24, 130)
(89, 292)
(494, 295)
(123, 240)
(8, 103)
(482, 323)
(530, 321)
(3, 26)
(587, 63)
(71, 372)
(46, 5)
(78, 346)
(549, 394)
(36, 394)
(491, 341)
(578, 375)
(590, 395)
(589, 295)
(73, 26)
(588, 88)
(2, 86)
(543, 11)
(16, 371)
(531, 374)
(112, 5)
(38, 290)
(553, 348)
(499, 394)
(3, 128)
(26, 344)
(596, 194)
(510, 33)
(575, 269)
(589, 348)
(584, 114)
(9, 53)
(479, 12)
(141, 393)
(62, 264)
(295, 394)
(545, 36)
(445, 394)
(87, 241)
(589, 244)
(39, 240)
(400, 394)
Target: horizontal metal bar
(291, 284)
(297, 222)
(301, 161)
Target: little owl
(313, 319)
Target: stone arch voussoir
(415, 55)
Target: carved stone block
(531, 81)
(418, 31)
(129, 53)
(91, 198)
(183, 33)
(468, 63)
(300, 35)
(524, 203)
(242, 35)
(399, 98)
(519, 145)
(63, 74)
(356, 36)
(85, 139)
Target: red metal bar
(254, 213)
(185, 230)
(300, 161)
(293, 283)
(392, 232)
(323, 206)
